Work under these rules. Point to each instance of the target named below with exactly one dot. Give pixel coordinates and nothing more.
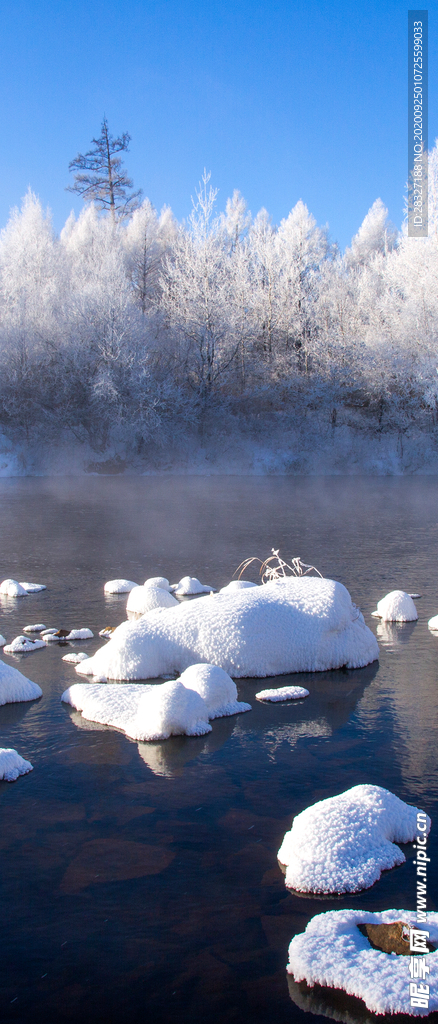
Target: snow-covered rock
(12, 765)
(75, 658)
(433, 623)
(37, 627)
(343, 844)
(190, 585)
(237, 585)
(15, 687)
(216, 688)
(12, 588)
(22, 645)
(33, 588)
(157, 581)
(297, 624)
(283, 693)
(119, 586)
(181, 707)
(146, 599)
(333, 952)
(396, 607)
(80, 634)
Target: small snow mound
(15, 687)
(237, 585)
(75, 659)
(80, 634)
(216, 688)
(170, 709)
(38, 627)
(190, 585)
(433, 623)
(146, 599)
(119, 586)
(12, 765)
(22, 645)
(396, 607)
(157, 581)
(12, 588)
(33, 588)
(283, 693)
(343, 844)
(334, 953)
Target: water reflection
(334, 1004)
(391, 634)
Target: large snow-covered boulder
(396, 607)
(293, 625)
(334, 953)
(16, 687)
(146, 599)
(12, 764)
(343, 844)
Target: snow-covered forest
(151, 344)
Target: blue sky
(281, 100)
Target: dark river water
(139, 882)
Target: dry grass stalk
(279, 569)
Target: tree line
(135, 332)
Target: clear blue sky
(281, 99)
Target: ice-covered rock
(191, 585)
(33, 588)
(334, 953)
(237, 585)
(283, 693)
(119, 586)
(146, 599)
(433, 623)
(15, 687)
(396, 607)
(297, 624)
(75, 658)
(37, 627)
(22, 645)
(12, 765)
(157, 581)
(343, 844)
(216, 688)
(12, 588)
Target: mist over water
(141, 880)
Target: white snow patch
(33, 588)
(283, 693)
(343, 844)
(158, 581)
(237, 585)
(12, 765)
(302, 624)
(79, 634)
(433, 623)
(216, 688)
(191, 585)
(334, 953)
(22, 645)
(75, 659)
(12, 588)
(15, 687)
(146, 599)
(119, 586)
(38, 627)
(396, 607)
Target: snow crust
(333, 952)
(343, 844)
(22, 645)
(146, 599)
(147, 713)
(283, 693)
(433, 623)
(75, 658)
(15, 687)
(302, 624)
(190, 585)
(12, 765)
(119, 586)
(12, 588)
(396, 607)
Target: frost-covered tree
(148, 239)
(105, 182)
